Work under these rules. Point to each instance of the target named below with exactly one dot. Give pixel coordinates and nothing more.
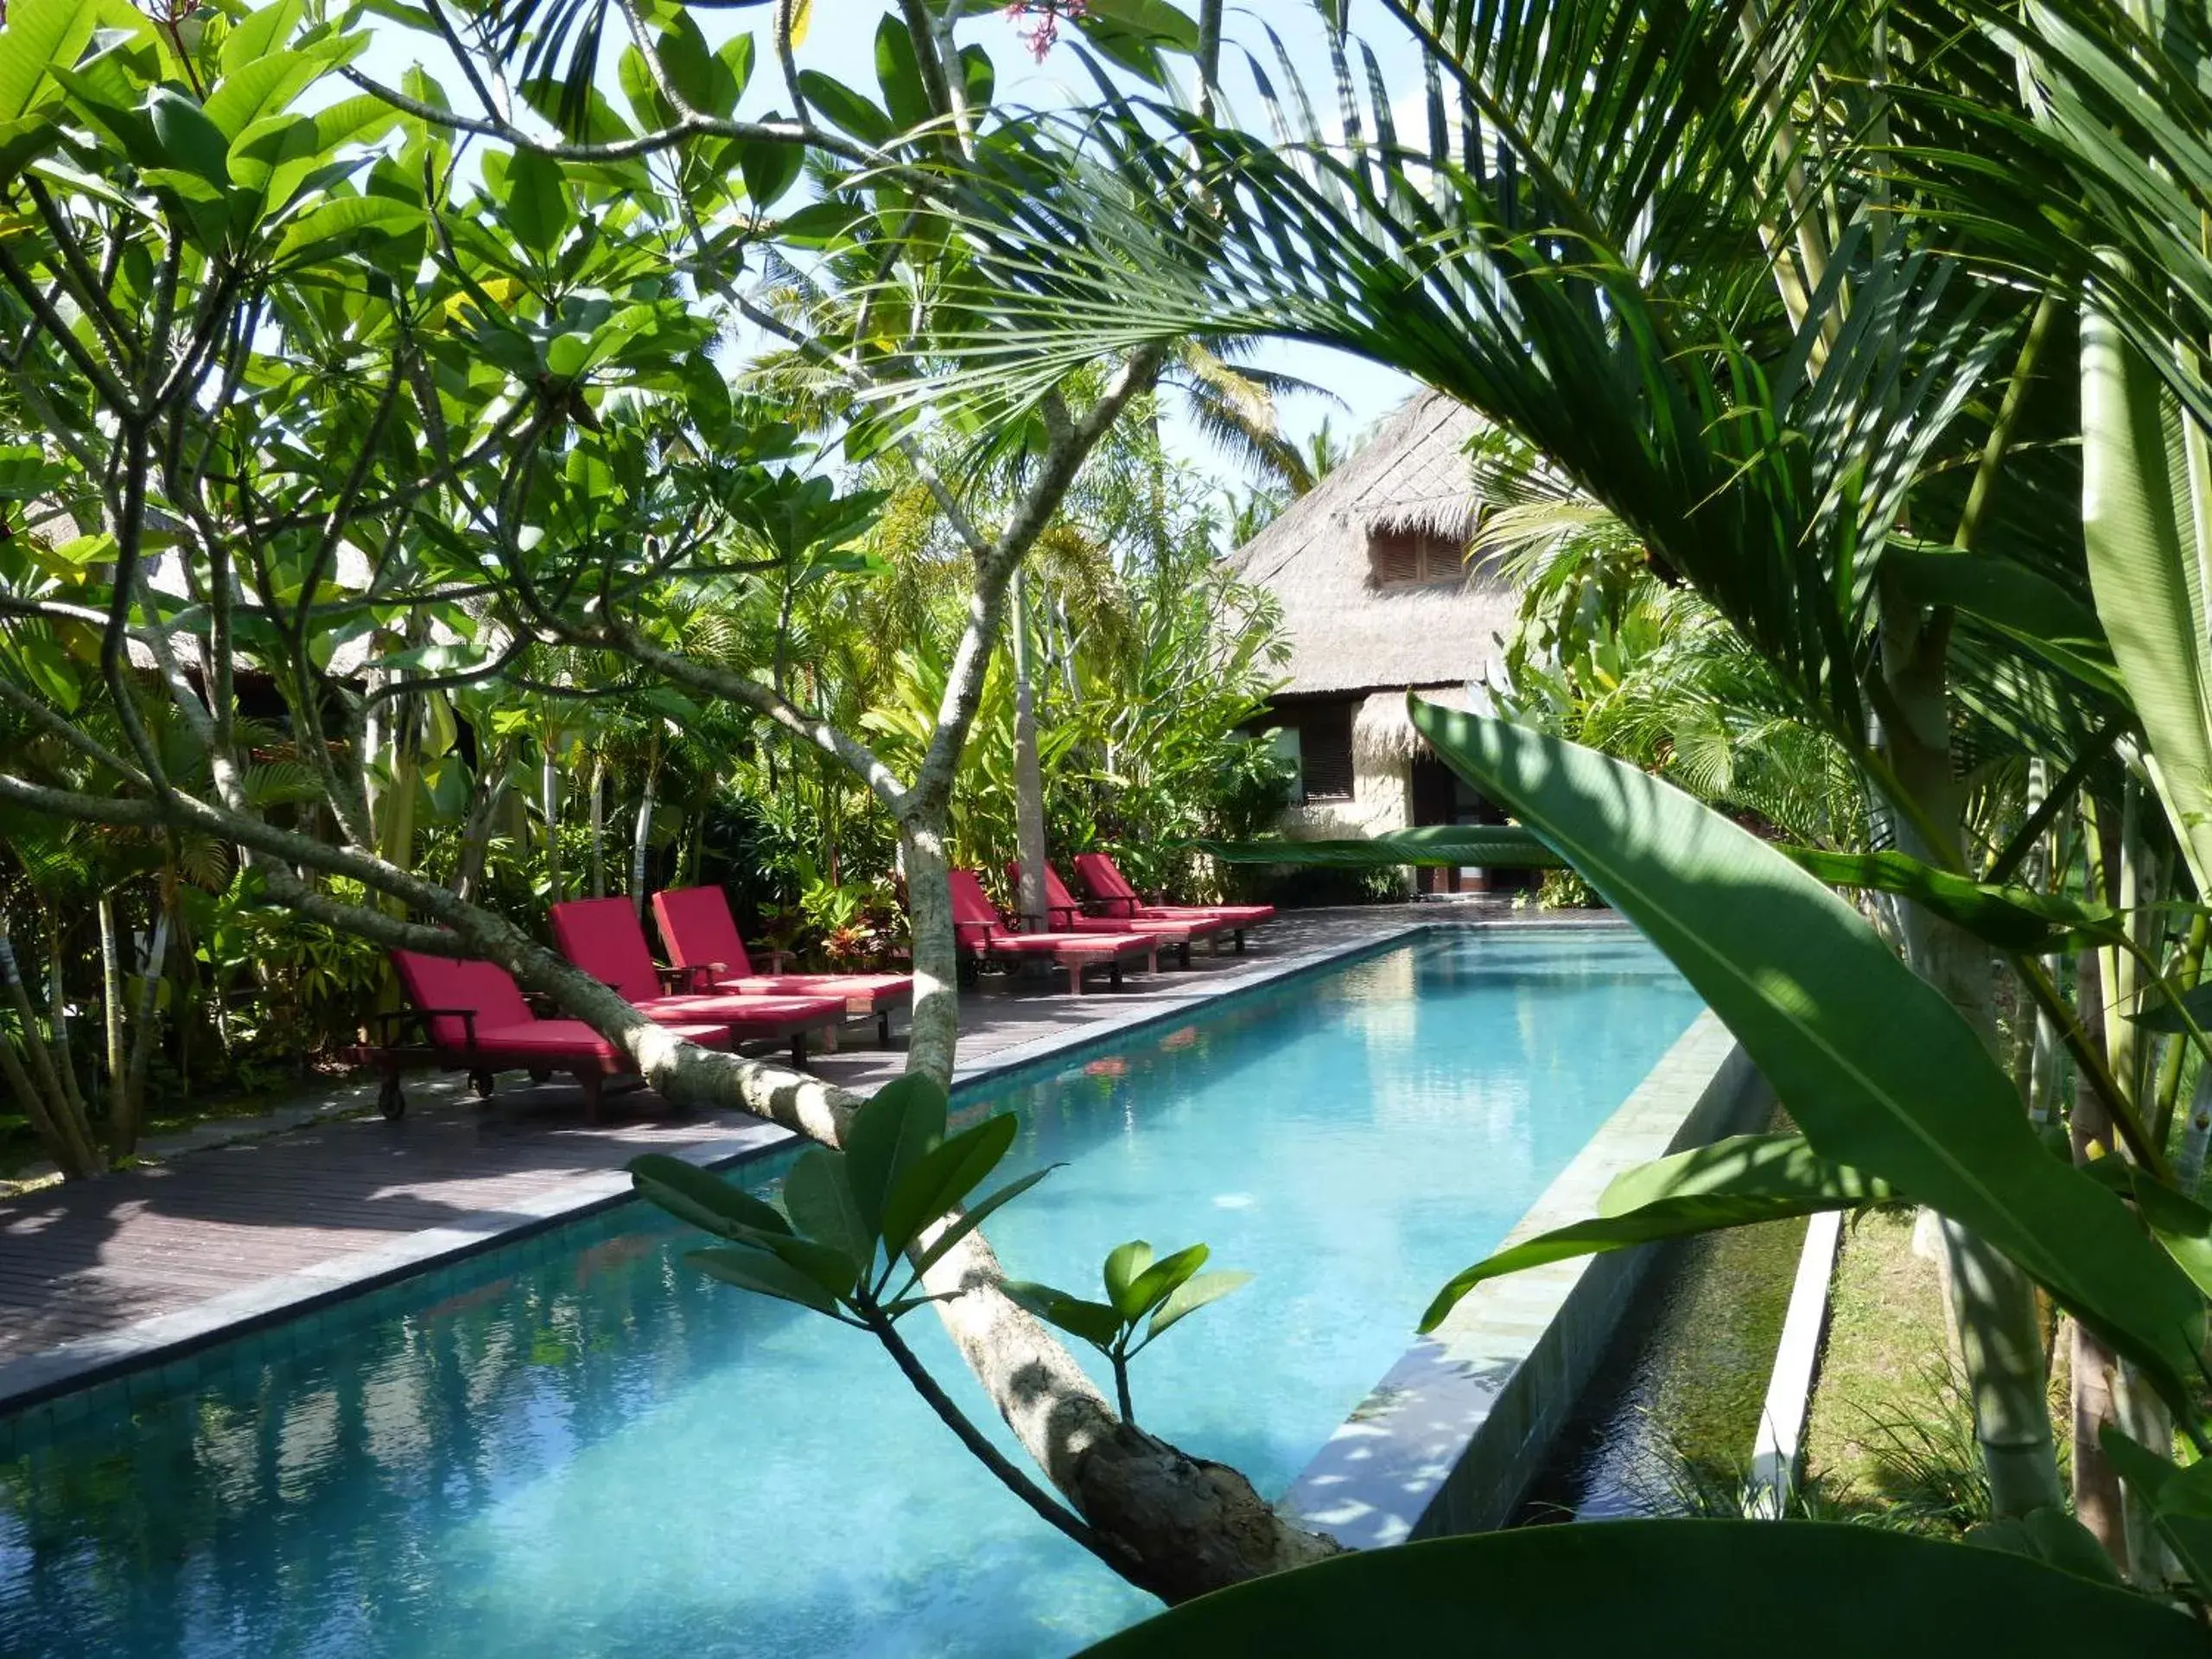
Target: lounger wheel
(389, 1101)
(541, 1074)
(482, 1084)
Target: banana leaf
(1878, 1069)
(1816, 1588)
(1451, 846)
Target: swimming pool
(576, 1445)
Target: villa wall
(1381, 800)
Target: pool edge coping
(1452, 1437)
(169, 1343)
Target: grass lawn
(1890, 1430)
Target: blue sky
(841, 42)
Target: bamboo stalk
(57, 1023)
(50, 1135)
(39, 1084)
(111, 1000)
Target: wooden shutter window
(1394, 557)
(1324, 750)
(1400, 558)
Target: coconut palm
(1781, 292)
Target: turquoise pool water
(578, 1445)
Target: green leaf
(48, 666)
(975, 1216)
(1732, 1183)
(2011, 918)
(262, 87)
(1449, 846)
(2178, 1222)
(2028, 609)
(189, 141)
(701, 79)
(702, 1197)
(40, 33)
(568, 356)
(1192, 1295)
(536, 202)
(977, 77)
(646, 102)
(832, 1268)
(1132, 33)
(819, 224)
(1749, 1166)
(2180, 1500)
(899, 73)
(768, 169)
(2051, 1536)
(887, 1135)
(2163, 1016)
(1095, 1322)
(943, 1176)
(1670, 1587)
(846, 109)
(1880, 1071)
(1153, 1285)
(2148, 572)
(820, 1200)
(259, 34)
(735, 56)
(344, 220)
(25, 140)
(1124, 1263)
(756, 1270)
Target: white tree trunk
(641, 835)
(550, 803)
(1028, 776)
(599, 825)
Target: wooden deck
(92, 1261)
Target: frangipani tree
(306, 388)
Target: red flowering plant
(1042, 21)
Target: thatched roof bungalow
(1379, 597)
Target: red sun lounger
(984, 937)
(702, 937)
(1120, 901)
(604, 938)
(473, 1018)
(1068, 917)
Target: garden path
(96, 1277)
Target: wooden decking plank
(90, 1258)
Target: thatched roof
(1382, 732)
(1347, 635)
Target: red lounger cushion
(504, 1023)
(604, 938)
(768, 1015)
(697, 926)
(574, 1038)
(1098, 872)
(977, 927)
(1068, 916)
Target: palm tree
(1728, 271)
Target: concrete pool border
(164, 1354)
(1458, 1430)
